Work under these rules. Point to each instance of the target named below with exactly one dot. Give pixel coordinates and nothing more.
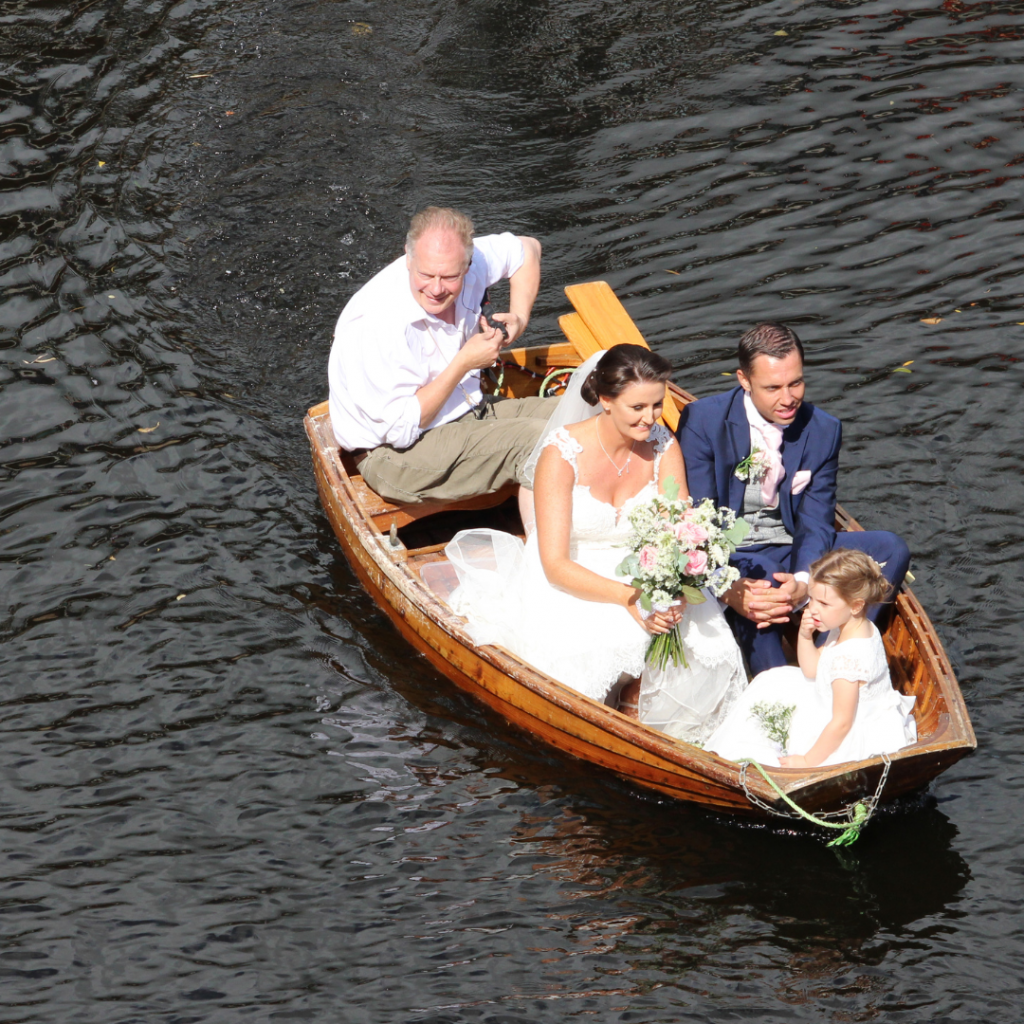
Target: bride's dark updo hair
(622, 366)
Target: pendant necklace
(625, 465)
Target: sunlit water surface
(230, 791)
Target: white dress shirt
(387, 346)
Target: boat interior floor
(442, 526)
(425, 541)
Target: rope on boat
(857, 815)
(499, 377)
(551, 375)
(520, 369)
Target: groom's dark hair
(768, 339)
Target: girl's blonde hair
(853, 575)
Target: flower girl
(839, 705)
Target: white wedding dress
(507, 599)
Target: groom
(770, 456)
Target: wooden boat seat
(382, 513)
(385, 515)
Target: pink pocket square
(801, 478)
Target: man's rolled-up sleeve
(404, 429)
(503, 255)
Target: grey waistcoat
(766, 526)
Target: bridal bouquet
(676, 549)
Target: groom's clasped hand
(763, 603)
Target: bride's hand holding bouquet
(655, 622)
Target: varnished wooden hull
(583, 728)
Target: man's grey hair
(441, 218)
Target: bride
(557, 602)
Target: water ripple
(231, 791)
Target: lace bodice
(596, 521)
(856, 660)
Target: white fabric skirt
(507, 600)
(882, 726)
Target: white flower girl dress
(883, 723)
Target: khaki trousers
(461, 459)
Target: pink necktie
(772, 434)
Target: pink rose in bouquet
(697, 563)
(648, 557)
(690, 534)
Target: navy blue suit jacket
(714, 436)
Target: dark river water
(230, 791)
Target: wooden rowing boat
(397, 553)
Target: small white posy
(801, 478)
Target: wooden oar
(601, 321)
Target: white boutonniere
(753, 467)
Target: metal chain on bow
(857, 814)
